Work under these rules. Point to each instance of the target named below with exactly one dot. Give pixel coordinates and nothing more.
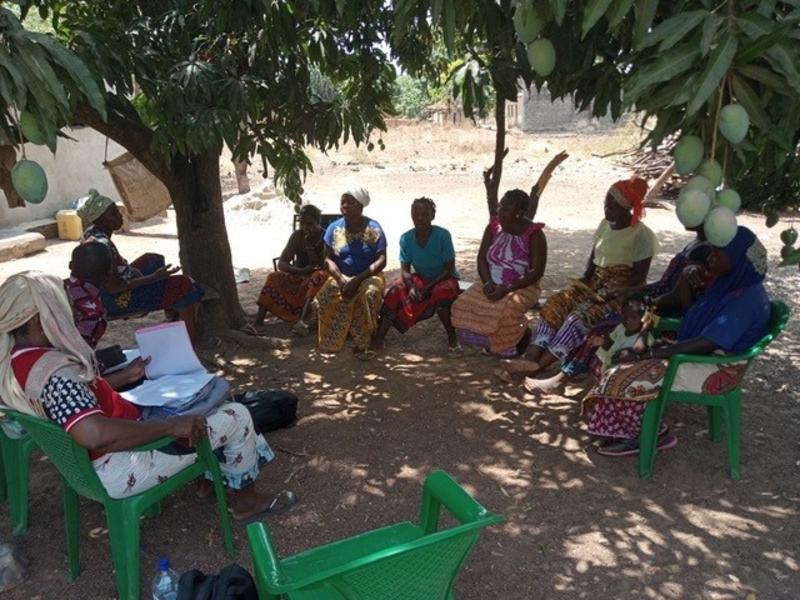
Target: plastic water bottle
(165, 583)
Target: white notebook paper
(175, 374)
(169, 348)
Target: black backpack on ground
(271, 409)
(232, 583)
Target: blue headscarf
(748, 259)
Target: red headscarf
(630, 193)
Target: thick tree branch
(126, 128)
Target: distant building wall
(538, 113)
(76, 167)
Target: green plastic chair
(122, 515)
(400, 562)
(722, 407)
(15, 455)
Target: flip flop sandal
(250, 329)
(281, 503)
(620, 448)
(300, 329)
(631, 447)
(457, 350)
(211, 343)
(505, 376)
(366, 355)
(666, 442)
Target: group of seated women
(337, 276)
(599, 324)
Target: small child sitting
(632, 335)
(90, 268)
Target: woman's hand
(414, 293)
(498, 293)
(136, 370)
(695, 275)
(557, 160)
(350, 288)
(164, 272)
(625, 357)
(189, 428)
(308, 270)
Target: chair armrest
(441, 490)
(667, 324)
(716, 359)
(266, 564)
(154, 445)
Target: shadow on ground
(579, 525)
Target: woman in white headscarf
(48, 370)
(355, 256)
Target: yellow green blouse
(623, 246)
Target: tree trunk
(204, 249)
(242, 181)
(194, 186)
(499, 145)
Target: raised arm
(544, 178)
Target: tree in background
(678, 62)
(184, 79)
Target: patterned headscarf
(360, 194)
(94, 206)
(629, 194)
(22, 297)
(748, 259)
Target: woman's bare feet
(545, 386)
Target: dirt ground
(578, 525)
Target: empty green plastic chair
(16, 465)
(724, 407)
(406, 561)
(122, 515)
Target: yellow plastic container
(70, 226)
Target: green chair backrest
(70, 459)
(422, 570)
(778, 317)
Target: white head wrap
(22, 297)
(360, 194)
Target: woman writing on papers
(48, 370)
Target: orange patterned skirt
(285, 294)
